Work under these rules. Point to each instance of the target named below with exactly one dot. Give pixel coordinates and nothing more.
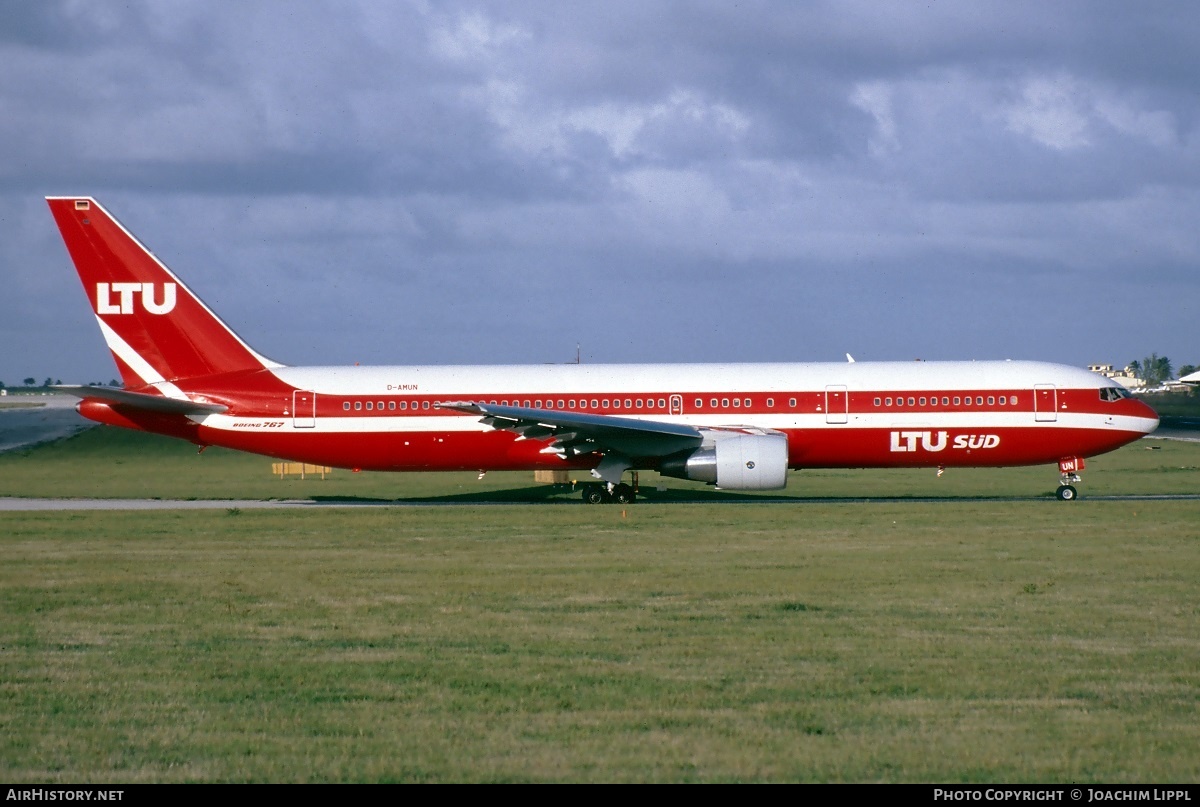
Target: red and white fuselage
(834, 415)
(186, 374)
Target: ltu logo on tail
(127, 294)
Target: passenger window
(662, 403)
(628, 403)
(424, 404)
(945, 401)
(991, 400)
(391, 406)
(596, 404)
(737, 403)
(357, 406)
(792, 402)
(911, 401)
(699, 403)
(887, 401)
(957, 401)
(605, 403)
(370, 406)
(639, 403)
(922, 400)
(770, 403)
(878, 401)
(346, 405)
(404, 405)
(725, 403)
(1003, 401)
(746, 402)
(979, 400)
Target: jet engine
(734, 462)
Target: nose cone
(1147, 414)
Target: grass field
(949, 641)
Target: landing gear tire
(623, 494)
(594, 494)
(1066, 493)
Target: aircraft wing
(575, 433)
(142, 400)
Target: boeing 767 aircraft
(737, 426)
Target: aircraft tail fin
(157, 329)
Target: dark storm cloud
(660, 181)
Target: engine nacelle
(741, 462)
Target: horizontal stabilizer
(142, 400)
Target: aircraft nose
(1146, 411)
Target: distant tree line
(50, 382)
(1156, 369)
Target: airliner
(186, 374)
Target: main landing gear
(1068, 470)
(605, 494)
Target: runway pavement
(51, 417)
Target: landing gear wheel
(594, 494)
(1066, 493)
(623, 494)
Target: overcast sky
(458, 182)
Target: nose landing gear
(1068, 468)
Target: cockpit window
(1111, 394)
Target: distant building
(1127, 378)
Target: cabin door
(676, 404)
(1045, 403)
(837, 404)
(304, 409)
